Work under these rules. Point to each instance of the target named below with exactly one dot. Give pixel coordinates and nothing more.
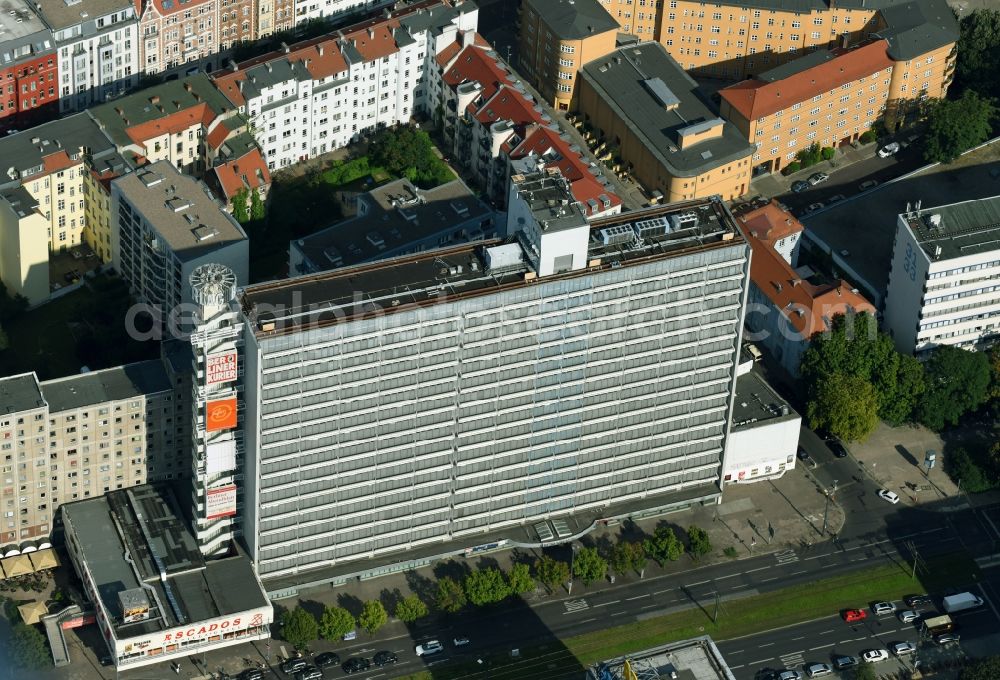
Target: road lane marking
(721, 578)
(618, 613)
(799, 638)
(766, 644)
(750, 571)
(699, 583)
(826, 631)
(605, 604)
(813, 649)
(765, 580)
(754, 663)
(637, 597)
(796, 573)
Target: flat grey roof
(25, 151)
(621, 81)
(550, 200)
(111, 384)
(20, 393)
(398, 213)
(20, 201)
(150, 522)
(694, 659)
(864, 227)
(917, 27)
(181, 210)
(574, 19)
(61, 14)
(756, 402)
(424, 279)
(19, 24)
(966, 228)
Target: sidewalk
(775, 184)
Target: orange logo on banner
(220, 415)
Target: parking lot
(69, 266)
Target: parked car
(818, 670)
(799, 186)
(356, 665)
(293, 666)
(384, 658)
(461, 641)
(815, 206)
(428, 648)
(874, 655)
(836, 198)
(918, 600)
(903, 648)
(881, 608)
(836, 447)
(887, 495)
(309, 673)
(842, 662)
(789, 675)
(946, 638)
(908, 616)
(802, 454)
(852, 615)
(818, 178)
(327, 659)
(252, 674)
(888, 150)
(868, 184)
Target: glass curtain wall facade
(599, 390)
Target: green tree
(519, 579)
(957, 382)
(810, 155)
(898, 407)
(373, 616)
(979, 52)
(450, 595)
(663, 545)
(828, 153)
(994, 358)
(867, 137)
(955, 126)
(299, 627)
(638, 557)
(400, 149)
(240, 209)
(865, 671)
(845, 406)
(551, 572)
(983, 669)
(486, 586)
(589, 566)
(963, 470)
(28, 648)
(410, 608)
(335, 623)
(257, 211)
(698, 542)
(620, 557)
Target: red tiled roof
(59, 160)
(329, 63)
(475, 65)
(174, 5)
(756, 98)
(249, 170)
(173, 123)
(374, 42)
(769, 223)
(228, 83)
(809, 308)
(508, 104)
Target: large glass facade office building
(449, 396)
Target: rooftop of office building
(437, 276)
(661, 104)
(547, 195)
(694, 659)
(20, 393)
(180, 208)
(64, 13)
(50, 147)
(390, 217)
(958, 229)
(757, 403)
(138, 536)
(574, 19)
(19, 25)
(110, 384)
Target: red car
(851, 615)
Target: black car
(356, 665)
(252, 674)
(293, 666)
(327, 659)
(800, 186)
(918, 600)
(802, 454)
(309, 673)
(838, 449)
(842, 662)
(383, 658)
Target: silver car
(903, 648)
(908, 616)
(818, 670)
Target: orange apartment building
(648, 111)
(557, 37)
(827, 97)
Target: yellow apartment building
(24, 251)
(646, 109)
(827, 97)
(556, 38)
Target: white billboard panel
(221, 456)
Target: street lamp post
(572, 556)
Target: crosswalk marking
(786, 557)
(576, 605)
(792, 660)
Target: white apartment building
(97, 43)
(944, 284)
(438, 401)
(167, 225)
(321, 95)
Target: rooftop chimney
(319, 48)
(155, 99)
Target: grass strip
(785, 607)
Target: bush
(346, 172)
(730, 552)
(792, 168)
(828, 153)
(867, 137)
(699, 543)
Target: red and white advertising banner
(220, 502)
(220, 368)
